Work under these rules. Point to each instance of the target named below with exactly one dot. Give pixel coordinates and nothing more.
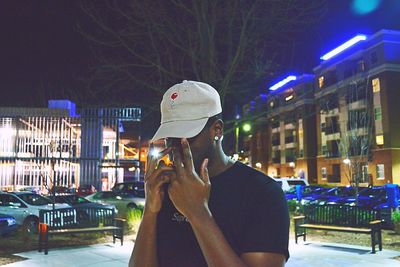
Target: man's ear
(218, 128)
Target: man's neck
(218, 162)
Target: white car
(123, 201)
(287, 183)
(25, 206)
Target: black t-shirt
(248, 206)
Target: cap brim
(180, 129)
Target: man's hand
(155, 178)
(188, 191)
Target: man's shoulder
(254, 177)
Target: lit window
(376, 85)
(289, 97)
(380, 171)
(378, 113)
(321, 81)
(364, 176)
(323, 173)
(379, 140)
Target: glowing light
(155, 153)
(347, 161)
(246, 127)
(342, 47)
(258, 165)
(235, 156)
(289, 97)
(363, 7)
(283, 82)
(292, 164)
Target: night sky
(43, 56)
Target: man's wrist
(149, 214)
(200, 217)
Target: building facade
(339, 125)
(42, 147)
(283, 134)
(357, 114)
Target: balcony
(290, 139)
(330, 154)
(276, 142)
(276, 160)
(332, 129)
(290, 158)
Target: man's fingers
(158, 172)
(187, 155)
(178, 163)
(204, 172)
(153, 157)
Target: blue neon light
(283, 82)
(341, 48)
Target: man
(206, 210)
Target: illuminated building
(39, 145)
(347, 113)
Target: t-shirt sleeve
(266, 222)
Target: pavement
(308, 254)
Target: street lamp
(246, 127)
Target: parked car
(306, 191)
(135, 188)
(25, 206)
(336, 195)
(370, 197)
(86, 189)
(288, 183)
(8, 224)
(122, 201)
(81, 202)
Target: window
(378, 113)
(289, 94)
(361, 65)
(376, 85)
(323, 173)
(335, 177)
(380, 171)
(379, 140)
(374, 58)
(289, 97)
(321, 81)
(364, 172)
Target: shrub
(292, 205)
(133, 218)
(396, 217)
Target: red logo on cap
(174, 96)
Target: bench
(78, 220)
(342, 218)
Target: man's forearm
(145, 249)
(213, 244)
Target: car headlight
(11, 221)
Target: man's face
(200, 145)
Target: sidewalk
(310, 254)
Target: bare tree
(355, 128)
(143, 47)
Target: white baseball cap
(186, 108)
